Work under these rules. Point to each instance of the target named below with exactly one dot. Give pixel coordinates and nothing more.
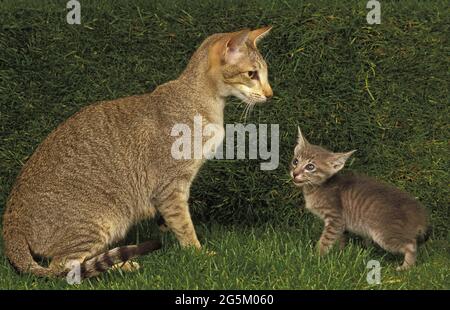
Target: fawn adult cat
(390, 217)
(109, 165)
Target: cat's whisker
(251, 108)
(246, 113)
(243, 111)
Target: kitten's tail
(100, 263)
(424, 235)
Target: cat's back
(102, 148)
(93, 126)
(91, 149)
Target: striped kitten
(391, 218)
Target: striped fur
(110, 165)
(100, 263)
(374, 210)
(88, 268)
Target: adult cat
(110, 165)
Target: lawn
(381, 89)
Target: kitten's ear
(338, 160)
(233, 46)
(301, 140)
(258, 34)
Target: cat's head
(237, 67)
(312, 164)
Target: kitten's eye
(253, 75)
(295, 162)
(310, 167)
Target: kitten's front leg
(175, 211)
(342, 241)
(333, 230)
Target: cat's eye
(310, 167)
(295, 162)
(253, 75)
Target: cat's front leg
(175, 211)
(333, 231)
(162, 224)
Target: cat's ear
(233, 46)
(258, 34)
(301, 141)
(338, 160)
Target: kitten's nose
(297, 176)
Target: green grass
(260, 257)
(381, 89)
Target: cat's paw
(191, 244)
(127, 266)
(162, 224)
(210, 253)
(164, 228)
(403, 267)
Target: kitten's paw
(322, 252)
(127, 266)
(368, 242)
(342, 243)
(322, 249)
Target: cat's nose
(268, 92)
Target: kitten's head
(312, 164)
(237, 67)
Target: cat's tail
(102, 262)
(424, 235)
(19, 255)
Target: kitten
(391, 218)
(110, 166)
